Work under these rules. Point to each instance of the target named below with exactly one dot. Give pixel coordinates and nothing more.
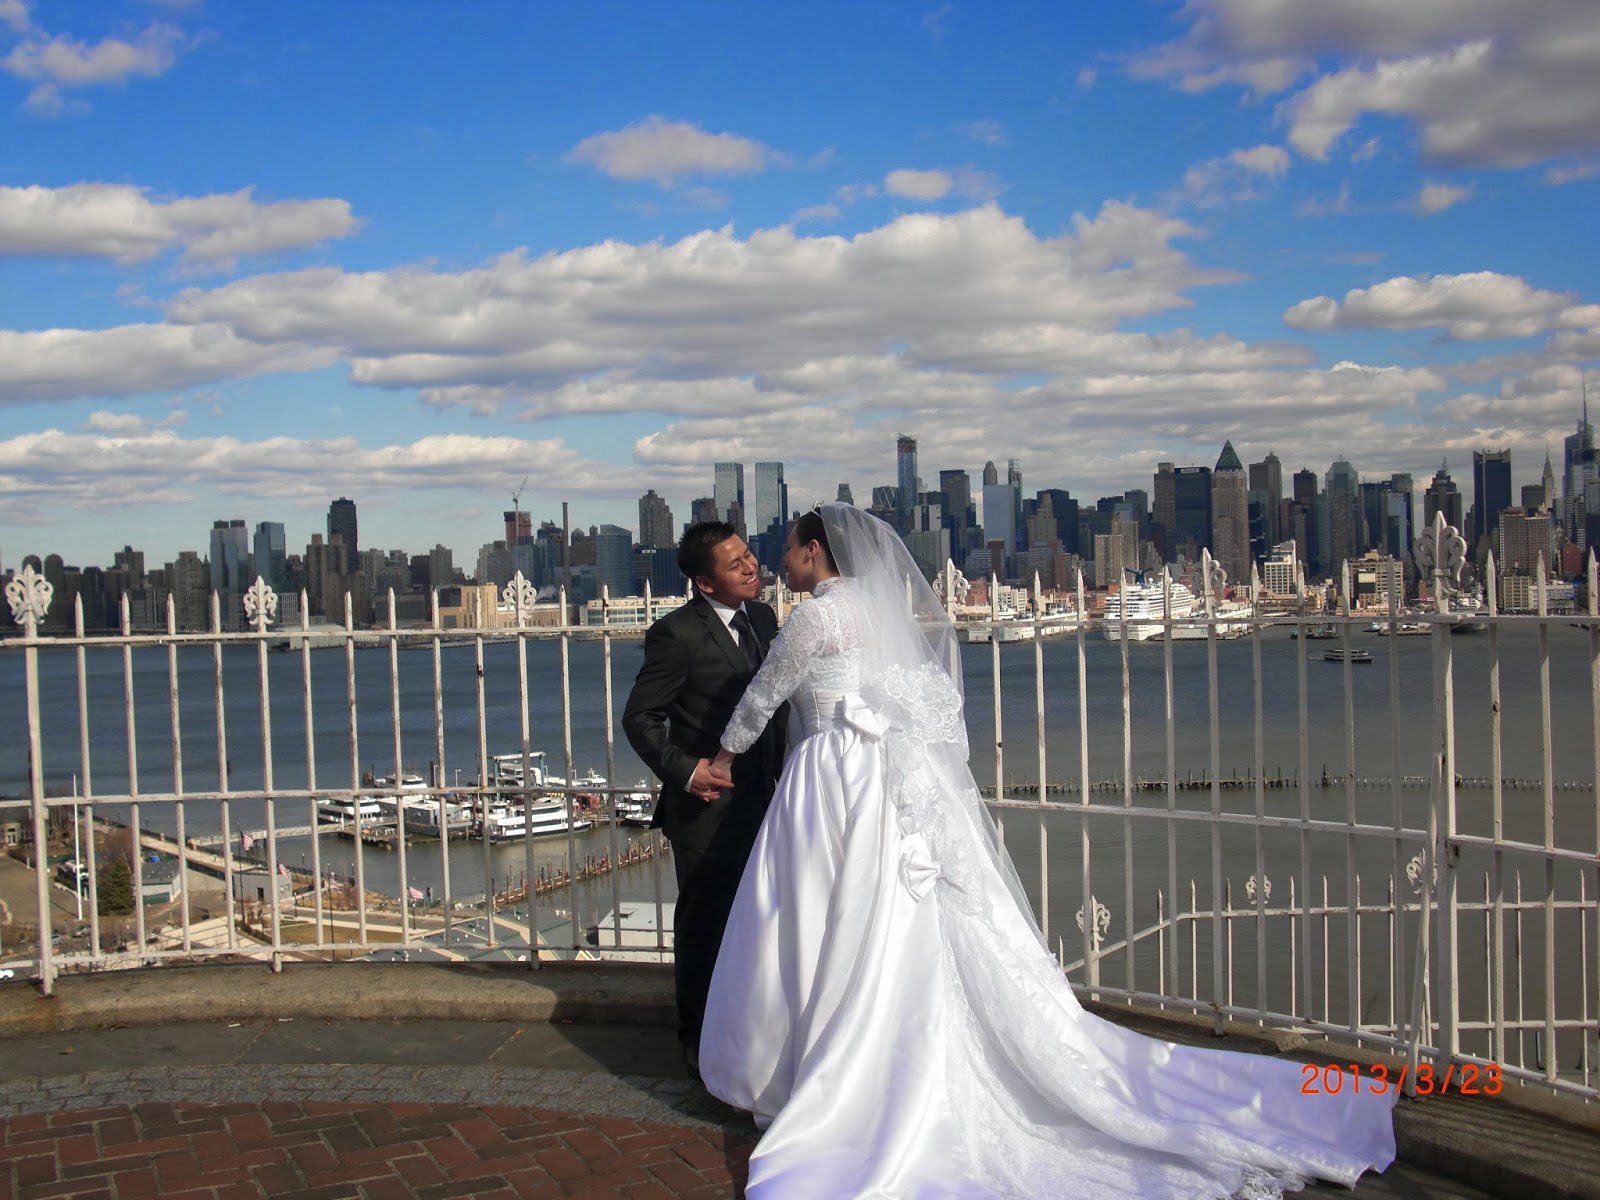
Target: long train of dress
(892, 1017)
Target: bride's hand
(721, 768)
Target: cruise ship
(543, 818)
(1143, 602)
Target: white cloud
(14, 14)
(1487, 83)
(104, 421)
(1482, 304)
(57, 63)
(121, 469)
(918, 185)
(664, 152)
(122, 222)
(1234, 177)
(985, 132)
(818, 212)
(1086, 78)
(134, 359)
(1436, 197)
(1339, 202)
(1558, 176)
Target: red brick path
(375, 1151)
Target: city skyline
(598, 250)
(338, 517)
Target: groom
(697, 661)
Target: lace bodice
(815, 664)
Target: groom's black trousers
(709, 858)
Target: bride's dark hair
(809, 528)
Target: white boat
(1470, 612)
(1144, 602)
(636, 807)
(506, 769)
(511, 821)
(1230, 618)
(1014, 628)
(422, 815)
(407, 783)
(342, 810)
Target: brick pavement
(329, 1151)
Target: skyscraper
(771, 505)
(1491, 492)
(956, 488)
(1267, 476)
(905, 459)
(1230, 515)
(1399, 534)
(613, 559)
(1442, 496)
(1191, 511)
(519, 527)
(230, 558)
(1578, 459)
(655, 520)
(845, 495)
(271, 552)
(1548, 481)
(1304, 530)
(1345, 525)
(342, 521)
(990, 475)
(728, 491)
(703, 510)
(1163, 509)
(999, 521)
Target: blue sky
(253, 257)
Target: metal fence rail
(218, 756)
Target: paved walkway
(477, 1080)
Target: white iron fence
(1389, 840)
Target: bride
(883, 1003)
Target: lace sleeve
(788, 661)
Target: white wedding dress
(883, 1005)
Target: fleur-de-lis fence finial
(1414, 870)
(29, 595)
(1251, 885)
(1102, 920)
(260, 604)
(520, 595)
(1441, 555)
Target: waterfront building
(1525, 536)
(1374, 578)
(230, 557)
(1346, 529)
(1191, 513)
(1281, 570)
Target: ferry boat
(344, 810)
(1355, 656)
(510, 821)
(1144, 602)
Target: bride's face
(800, 563)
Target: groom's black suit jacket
(691, 680)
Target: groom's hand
(707, 783)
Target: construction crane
(516, 510)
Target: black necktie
(747, 638)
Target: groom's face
(734, 575)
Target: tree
(115, 888)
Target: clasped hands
(712, 776)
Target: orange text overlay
(1466, 1079)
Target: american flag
(414, 892)
(245, 841)
(283, 870)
